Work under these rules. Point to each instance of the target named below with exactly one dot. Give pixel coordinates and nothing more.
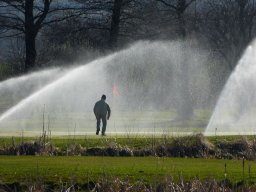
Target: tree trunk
(30, 36)
(30, 51)
(185, 108)
(114, 30)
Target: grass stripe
(148, 169)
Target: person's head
(103, 97)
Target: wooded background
(41, 33)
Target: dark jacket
(101, 108)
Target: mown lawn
(147, 169)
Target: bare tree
(185, 106)
(124, 14)
(179, 7)
(117, 17)
(229, 27)
(115, 21)
(28, 17)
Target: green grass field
(148, 169)
(82, 169)
(122, 122)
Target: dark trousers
(102, 118)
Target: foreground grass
(146, 169)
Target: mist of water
(235, 110)
(15, 89)
(147, 77)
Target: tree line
(35, 32)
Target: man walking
(102, 112)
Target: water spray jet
(146, 77)
(235, 110)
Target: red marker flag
(115, 91)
